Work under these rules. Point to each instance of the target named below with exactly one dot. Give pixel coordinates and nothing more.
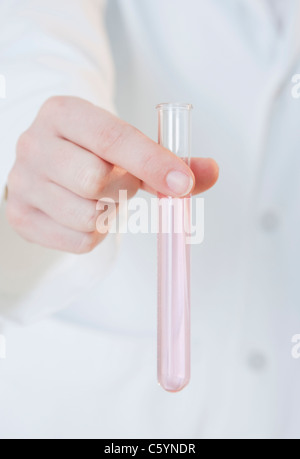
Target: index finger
(119, 143)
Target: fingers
(120, 180)
(35, 226)
(83, 173)
(206, 173)
(118, 143)
(64, 207)
(74, 168)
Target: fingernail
(180, 183)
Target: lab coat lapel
(278, 77)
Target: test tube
(173, 340)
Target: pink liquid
(174, 294)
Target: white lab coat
(89, 369)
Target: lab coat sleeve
(47, 48)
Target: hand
(75, 154)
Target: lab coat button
(270, 221)
(257, 361)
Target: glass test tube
(174, 259)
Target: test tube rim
(174, 106)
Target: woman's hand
(75, 154)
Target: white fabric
(281, 12)
(42, 55)
(229, 60)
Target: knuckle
(90, 183)
(112, 135)
(87, 243)
(27, 145)
(91, 220)
(13, 181)
(15, 216)
(86, 220)
(19, 184)
(54, 104)
(149, 165)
